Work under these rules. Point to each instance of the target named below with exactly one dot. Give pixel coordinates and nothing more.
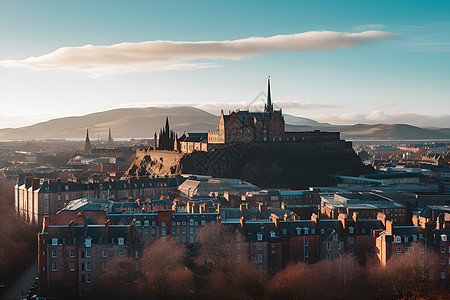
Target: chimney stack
(242, 222)
(389, 227)
(107, 228)
(70, 233)
(343, 219)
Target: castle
(243, 126)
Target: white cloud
(375, 117)
(181, 55)
(368, 27)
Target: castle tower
(110, 140)
(87, 143)
(269, 106)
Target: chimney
(315, 218)
(343, 219)
(45, 223)
(70, 233)
(133, 230)
(81, 219)
(355, 217)
(381, 217)
(389, 227)
(201, 208)
(107, 228)
(242, 207)
(440, 221)
(242, 222)
(274, 218)
(261, 207)
(218, 209)
(286, 217)
(283, 205)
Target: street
(22, 284)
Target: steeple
(269, 106)
(87, 143)
(110, 140)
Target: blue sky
(401, 75)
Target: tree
(406, 275)
(163, 267)
(217, 246)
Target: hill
(143, 122)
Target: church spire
(87, 143)
(110, 140)
(269, 106)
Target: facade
(35, 198)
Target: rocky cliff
(295, 165)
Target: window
(238, 258)
(191, 222)
(421, 263)
(339, 246)
(414, 238)
(88, 252)
(260, 258)
(72, 266)
(146, 223)
(313, 231)
(191, 239)
(363, 230)
(405, 239)
(259, 236)
(406, 250)
(88, 266)
(54, 266)
(87, 242)
(88, 278)
(163, 232)
(328, 257)
(260, 246)
(138, 223)
(272, 234)
(444, 237)
(306, 254)
(54, 241)
(351, 230)
(306, 243)
(352, 240)
(105, 253)
(120, 241)
(421, 249)
(399, 250)
(100, 240)
(442, 275)
(105, 265)
(442, 249)
(136, 254)
(306, 230)
(398, 239)
(54, 253)
(59, 197)
(203, 222)
(238, 246)
(322, 231)
(443, 261)
(72, 253)
(299, 230)
(352, 251)
(67, 197)
(328, 246)
(121, 253)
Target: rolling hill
(143, 122)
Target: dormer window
(351, 230)
(54, 241)
(146, 223)
(398, 239)
(272, 234)
(138, 223)
(306, 229)
(259, 236)
(120, 241)
(284, 231)
(88, 242)
(414, 238)
(191, 222)
(299, 230)
(405, 239)
(444, 237)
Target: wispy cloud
(368, 27)
(385, 105)
(375, 117)
(181, 55)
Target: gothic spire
(110, 140)
(87, 143)
(269, 106)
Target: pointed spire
(110, 140)
(269, 106)
(87, 143)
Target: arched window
(59, 197)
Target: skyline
(362, 63)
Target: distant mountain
(124, 123)
(143, 122)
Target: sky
(341, 62)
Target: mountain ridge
(143, 122)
